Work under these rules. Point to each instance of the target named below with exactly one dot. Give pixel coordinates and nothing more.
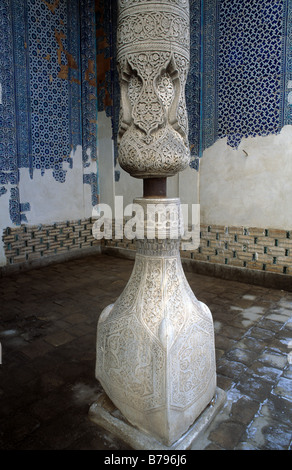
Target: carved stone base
(104, 413)
(155, 354)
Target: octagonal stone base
(155, 346)
(104, 413)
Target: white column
(155, 345)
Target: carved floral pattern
(128, 3)
(152, 26)
(155, 345)
(165, 90)
(153, 59)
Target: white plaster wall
(5, 221)
(188, 187)
(106, 160)
(51, 201)
(128, 187)
(250, 186)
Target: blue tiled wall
(49, 100)
(108, 81)
(241, 62)
(247, 63)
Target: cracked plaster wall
(48, 113)
(249, 186)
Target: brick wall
(253, 248)
(26, 244)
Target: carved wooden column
(155, 345)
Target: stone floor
(47, 336)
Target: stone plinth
(104, 413)
(155, 345)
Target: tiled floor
(47, 335)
